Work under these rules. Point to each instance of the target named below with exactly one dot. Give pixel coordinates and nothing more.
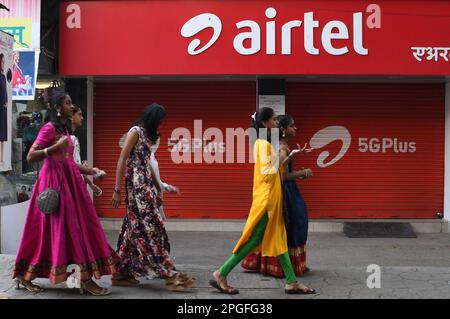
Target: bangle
(116, 190)
(45, 152)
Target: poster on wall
(24, 74)
(6, 78)
(23, 21)
(23, 192)
(276, 102)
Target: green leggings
(253, 242)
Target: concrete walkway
(410, 268)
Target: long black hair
(150, 119)
(262, 115)
(283, 122)
(52, 114)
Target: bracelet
(45, 152)
(117, 191)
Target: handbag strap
(37, 172)
(61, 172)
(60, 180)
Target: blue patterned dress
(297, 212)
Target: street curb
(315, 226)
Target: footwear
(188, 281)
(297, 290)
(28, 285)
(91, 287)
(306, 269)
(125, 280)
(179, 282)
(222, 285)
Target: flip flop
(229, 290)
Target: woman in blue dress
(296, 213)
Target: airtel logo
(333, 30)
(200, 23)
(326, 136)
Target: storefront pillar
(447, 156)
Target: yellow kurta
(267, 197)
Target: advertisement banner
(255, 37)
(23, 22)
(25, 74)
(6, 78)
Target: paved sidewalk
(410, 268)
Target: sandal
(179, 282)
(91, 287)
(188, 281)
(124, 280)
(222, 285)
(297, 290)
(28, 285)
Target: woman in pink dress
(73, 235)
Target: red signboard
(254, 37)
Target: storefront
(365, 83)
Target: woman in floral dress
(143, 244)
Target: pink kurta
(73, 235)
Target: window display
(28, 118)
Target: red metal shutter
(374, 183)
(207, 190)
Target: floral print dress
(143, 244)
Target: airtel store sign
(332, 30)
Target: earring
(283, 134)
(59, 114)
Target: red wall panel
(372, 184)
(207, 190)
(369, 184)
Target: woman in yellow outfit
(265, 230)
